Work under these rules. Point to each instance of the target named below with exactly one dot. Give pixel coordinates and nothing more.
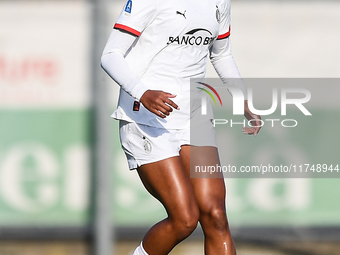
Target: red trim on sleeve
(127, 29)
(226, 35)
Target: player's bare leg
(168, 181)
(210, 195)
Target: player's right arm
(114, 63)
(130, 25)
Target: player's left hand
(254, 119)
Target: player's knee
(215, 217)
(186, 222)
(185, 226)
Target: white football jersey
(174, 38)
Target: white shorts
(144, 144)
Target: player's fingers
(257, 130)
(160, 105)
(163, 110)
(258, 125)
(158, 113)
(246, 130)
(168, 108)
(169, 95)
(171, 103)
(249, 130)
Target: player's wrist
(138, 91)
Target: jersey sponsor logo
(183, 14)
(128, 7)
(193, 37)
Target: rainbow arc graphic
(209, 93)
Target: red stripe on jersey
(226, 35)
(127, 29)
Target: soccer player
(154, 50)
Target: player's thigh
(201, 161)
(209, 188)
(168, 181)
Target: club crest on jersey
(147, 145)
(128, 8)
(218, 15)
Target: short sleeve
(224, 30)
(136, 16)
